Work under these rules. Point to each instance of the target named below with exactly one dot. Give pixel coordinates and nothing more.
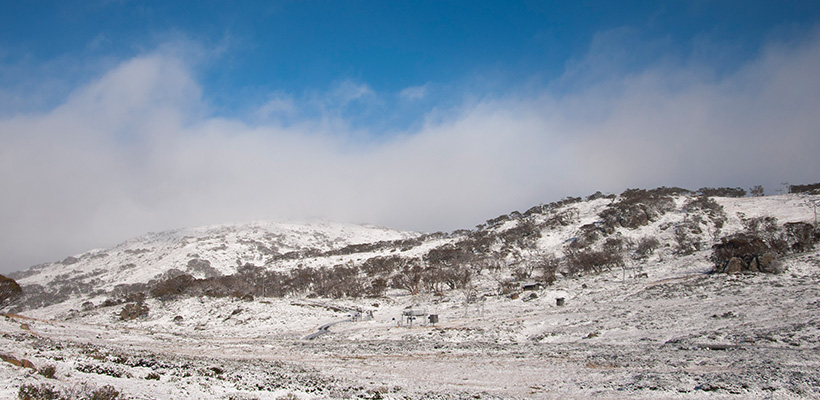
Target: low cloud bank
(136, 151)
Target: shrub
(410, 278)
(31, 391)
(637, 207)
(548, 265)
(721, 192)
(47, 371)
(339, 281)
(133, 311)
(381, 266)
(106, 392)
(811, 188)
(596, 261)
(598, 195)
(799, 236)
(686, 239)
(173, 287)
(377, 287)
(9, 289)
(202, 267)
(743, 252)
(646, 247)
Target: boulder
(734, 266)
(753, 266)
(766, 263)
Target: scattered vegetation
(813, 188)
(646, 246)
(721, 192)
(638, 207)
(758, 247)
(133, 311)
(47, 371)
(504, 247)
(9, 290)
(44, 391)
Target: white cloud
(134, 152)
(348, 91)
(279, 106)
(413, 93)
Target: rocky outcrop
(764, 263)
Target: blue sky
(122, 117)
(245, 51)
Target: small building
(410, 315)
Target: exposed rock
(14, 361)
(766, 263)
(753, 266)
(734, 266)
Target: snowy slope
(661, 327)
(224, 247)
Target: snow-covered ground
(664, 328)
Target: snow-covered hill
(651, 324)
(202, 251)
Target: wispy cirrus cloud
(413, 93)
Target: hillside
(642, 313)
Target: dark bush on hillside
(106, 392)
(410, 277)
(687, 237)
(223, 286)
(562, 218)
(743, 252)
(721, 192)
(47, 371)
(698, 207)
(376, 287)
(587, 235)
(133, 311)
(479, 242)
(9, 290)
(493, 222)
(598, 195)
(449, 256)
(548, 266)
(129, 293)
(202, 267)
(706, 205)
(173, 288)
(591, 261)
(448, 266)
(646, 247)
(813, 188)
(541, 209)
(638, 207)
(799, 236)
(339, 281)
(523, 235)
(30, 391)
(381, 266)
(765, 227)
